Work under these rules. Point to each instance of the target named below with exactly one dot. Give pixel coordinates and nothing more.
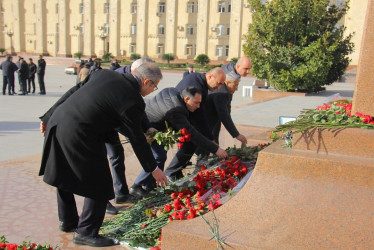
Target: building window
(220, 30)
(106, 8)
(227, 50)
(190, 7)
(56, 8)
(219, 50)
(190, 29)
(189, 51)
(133, 8)
(106, 28)
(160, 49)
(161, 29)
(228, 29)
(221, 7)
(161, 7)
(133, 48)
(229, 7)
(81, 8)
(133, 29)
(82, 28)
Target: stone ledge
(336, 141)
(261, 95)
(294, 199)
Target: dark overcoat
(199, 117)
(169, 106)
(74, 156)
(219, 109)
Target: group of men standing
(25, 74)
(82, 122)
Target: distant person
(41, 72)
(8, 67)
(23, 75)
(240, 68)
(190, 70)
(96, 66)
(90, 62)
(84, 72)
(114, 64)
(18, 64)
(31, 79)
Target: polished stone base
(295, 198)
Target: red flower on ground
(144, 225)
(168, 208)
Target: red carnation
(187, 137)
(180, 145)
(168, 208)
(182, 139)
(184, 131)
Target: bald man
(240, 68)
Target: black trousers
(41, 83)
(31, 81)
(24, 85)
(92, 215)
(116, 155)
(180, 160)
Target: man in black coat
(174, 108)
(219, 108)
(212, 80)
(31, 79)
(8, 67)
(190, 70)
(74, 157)
(41, 72)
(23, 75)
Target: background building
(151, 28)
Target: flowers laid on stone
(4, 244)
(328, 116)
(188, 198)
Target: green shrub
(202, 59)
(78, 55)
(134, 57)
(168, 57)
(107, 56)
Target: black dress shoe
(128, 198)
(94, 241)
(138, 191)
(68, 226)
(110, 209)
(22, 94)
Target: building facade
(150, 28)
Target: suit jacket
(219, 109)
(169, 106)
(41, 67)
(199, 117)
(74, 155)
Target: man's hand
(150, 130)
(42, 128)
(242, 138)
(160, 177)
(221, 153)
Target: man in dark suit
(74, 157)
(23, 75)
(190, 70)
(174, 108)
(41, 72)
(212, 80)
(8, 67)
(219, 108)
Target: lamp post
(10, 34)
(103, 36)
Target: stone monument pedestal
(312, 196)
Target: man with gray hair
(134, 65)
(74, 156)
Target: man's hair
(30, 59)
(216, 71)
(232, 77)
(9, 57)
(139, 62)
(190, 92)
(149, 70)
(97, 62)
